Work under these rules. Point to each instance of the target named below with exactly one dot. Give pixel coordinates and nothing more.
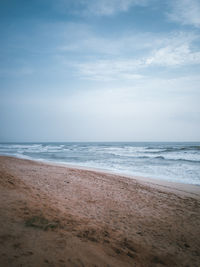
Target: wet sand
(64, 216)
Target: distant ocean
(178, 162)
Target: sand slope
(57, 216)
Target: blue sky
(84, 70)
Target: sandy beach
(64, 216)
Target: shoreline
(191, 190)
(168, 185)
(175, 168)
(60, 216)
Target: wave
(177, 149)
(177, 160)
(172, 149)
(152, 158)
(160, 157)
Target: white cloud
(175, 49)
(174, 56)
(126, 57)
(186, 12)
(131, 69)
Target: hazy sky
(100, 70)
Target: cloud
(98, 7)
(176, 51)
(111, 7)
(92, 44)
(174, 56)
(186, 12)
(82, 38)
(95, 57)
(108, 70)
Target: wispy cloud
(176, 51)
(111, 7)
(173, 56)
(99, 7)
(107, 70)
(186, 12)
(84, 39)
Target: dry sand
(59, 216)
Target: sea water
(178, 162)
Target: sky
(103, 70)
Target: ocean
(177, 162)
